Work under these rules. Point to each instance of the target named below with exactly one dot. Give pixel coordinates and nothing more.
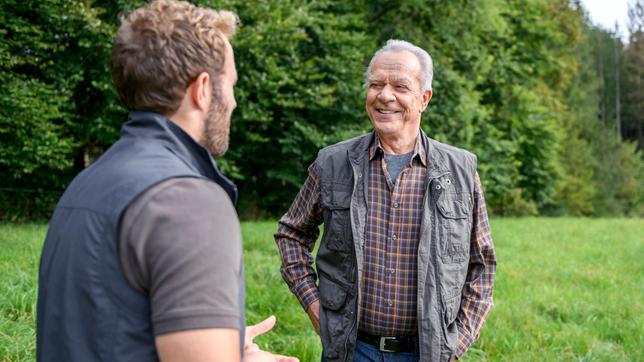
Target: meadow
(567, 289)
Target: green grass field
(566, 290)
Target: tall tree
(634, 59)
(618, 111)
(576, 187)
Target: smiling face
(395, 99)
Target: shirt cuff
(306, 292)
(464, 343)
(183, 323)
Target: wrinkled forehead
(395, 65)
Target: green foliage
(634, 67)
(620, 189)
(527, 85)
(600, 175)
(296, 94)
(576, 187)
(54, 94)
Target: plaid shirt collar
(419, 149)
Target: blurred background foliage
(552, 105)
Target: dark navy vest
(86, 309)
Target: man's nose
(386, 94)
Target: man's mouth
(386, 111)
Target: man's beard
(216, 128)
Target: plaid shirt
(388, 305)
(395, 212)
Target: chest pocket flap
(454, 205)
(336, 196)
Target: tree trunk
(618, 121)
(602, 98)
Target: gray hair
(425, 60)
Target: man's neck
(398, 145)
(187, 122)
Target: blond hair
(162, 47)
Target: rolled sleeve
(296, 235)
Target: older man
(406, 263)
(143, 257)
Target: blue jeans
(365, 352)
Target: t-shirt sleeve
(180, 244)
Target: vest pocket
(452, 306)
(336, 255)
(455, 212)
(332, 295)
(336, 200)
(450, 330)
(335, 322)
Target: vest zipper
(358, 177)
(435, 248)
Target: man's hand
(314, 314)
(257, 355)
(256, 330)
(252, 353)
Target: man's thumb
(260, 328)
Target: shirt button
(389, 302)
(391, 270)
(395, 204)
(393, 237)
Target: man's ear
(427, 96)
(200, 91)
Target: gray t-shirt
(396, 163)
(180, 243)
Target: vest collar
(418, 150)
(149, 125)
(436, 166)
